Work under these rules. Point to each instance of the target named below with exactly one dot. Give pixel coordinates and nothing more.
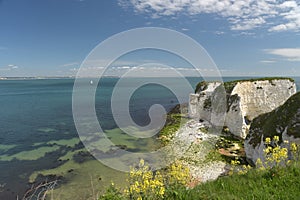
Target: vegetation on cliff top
(201, 86)
(230, 84)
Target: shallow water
(38, 135)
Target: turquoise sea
(39, 141)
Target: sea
(39, 142)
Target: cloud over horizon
(9, 67)
(290, 54)
(274, 15)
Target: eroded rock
(235, 104)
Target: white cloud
(9, 67)
(290, 54)
(103, 62)
(219, 32)
(275, 15)
(248, 24)
(247, 33)
(72, 64)
(268, 61)
(124, 67)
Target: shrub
(276, 156)
(143, 183)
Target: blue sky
(244, 38)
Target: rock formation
(283, 122)
(235, 104)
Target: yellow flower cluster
(240, 170)
(295, 151)
(294, 147)
(145, 184)
(235, 162)
(268, 140)
(274, 154)
(178, 174)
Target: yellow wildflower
(276, 138)
(294, 147)
(268, 140)
(162, 191)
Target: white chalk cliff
(283, 122)
(235, 104)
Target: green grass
(280, 184)
(214, 155)
(173, 123)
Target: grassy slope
(281, 184)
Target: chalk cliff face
(200, 103)
(245, 100)
(283, 122)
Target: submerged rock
(235, 104)
(283, 122)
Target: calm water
(37, 132)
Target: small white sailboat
(91, 82)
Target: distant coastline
(34, 78)
(73, 77)
(48, 77)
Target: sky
(244, 38)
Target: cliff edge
(235, 104)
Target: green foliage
(276, 182)
(201, 86)
(228, 141)
(112, 193)
(172, 125)
(204, 129)
(253, 185)
(214, 155)
(275, 156)
(145, 184)
(277, 178)
(232, 149)
(229, 86)
(207, 104)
